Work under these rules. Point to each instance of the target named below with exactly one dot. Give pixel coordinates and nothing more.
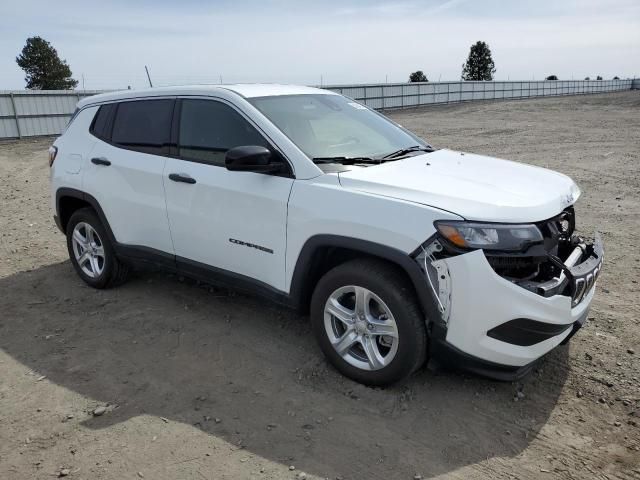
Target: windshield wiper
(346, 160)
(404, 151)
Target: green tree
(44, 69)
(599, 77)
(552, 77)
(418, 76)
(479, 65)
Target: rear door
(223, 220)
(126, 167)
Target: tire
(100, 268)
(389, 308)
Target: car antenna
(148, 76)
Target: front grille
(585, 274)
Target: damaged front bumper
(579, 272)
(499, 326)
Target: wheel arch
(321, 253)
(69, 200)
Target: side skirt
(232, 280)
(151, 259)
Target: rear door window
(143, 125)
(209, 128)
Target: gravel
(136, 345)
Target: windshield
(331, 126)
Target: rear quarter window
(101, 125)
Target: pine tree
(479, 65)
(44, 69)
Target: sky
(107, 43)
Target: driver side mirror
(250, 158)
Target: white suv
(400, 252)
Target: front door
(234, 222)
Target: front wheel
(365, 316)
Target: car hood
(475, 187)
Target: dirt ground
(201, 383)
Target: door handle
(182, 177)
(100, 161)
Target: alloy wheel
(88, 250)
(361, 327)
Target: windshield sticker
(357, 106)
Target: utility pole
(148, 76)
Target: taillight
(53, 151)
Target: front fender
(301, 288)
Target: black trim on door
(232, 280)
(175, 129)
(146, 257)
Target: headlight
(489, 236)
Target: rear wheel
(91, 252)
(368, 323)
